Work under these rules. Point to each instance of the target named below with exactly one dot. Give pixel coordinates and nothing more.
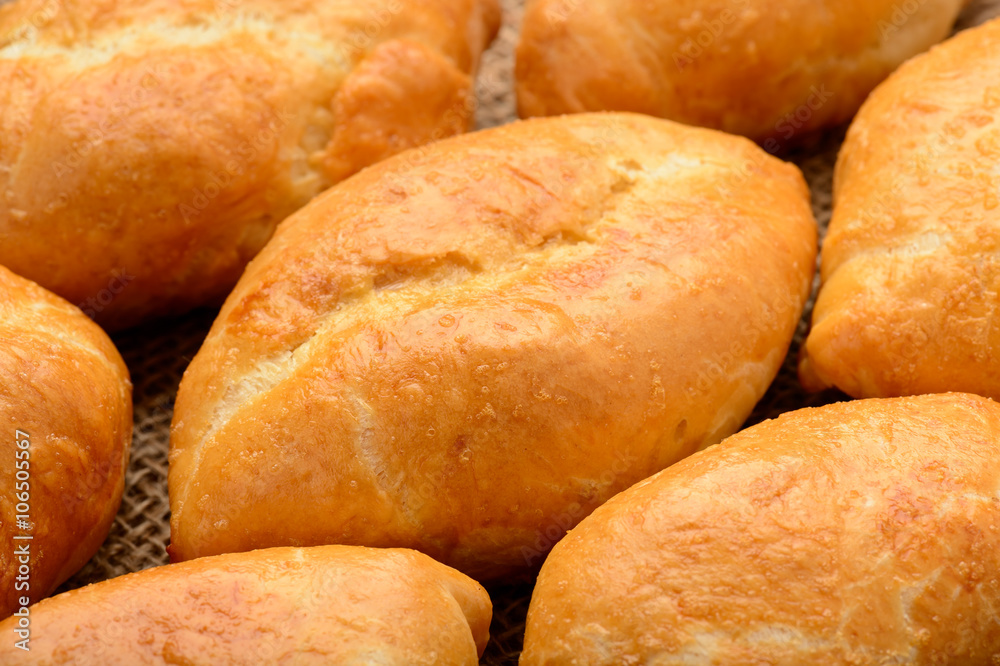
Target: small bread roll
(911, 268)
(772, 70)
(326, 605)
(66, 415)
(469, 347)
(858, 533)
(150, 147)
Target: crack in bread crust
(523, 298)
(452, 274)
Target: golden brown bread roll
(66, 414)
(858, 533)
(157, 143)
(469, 347)
(772, 70)
(326, 605)
(910, 266)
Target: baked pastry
(773, 70)
(469, 347)
(66, 410)
(329, 605)
(910, 267)
(150, 147)
(858, 533)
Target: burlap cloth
(157, 355)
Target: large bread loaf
(66, 420)
(859, 533)
(327, 605)
(911, 268)
(773, 70)
(149, 147)
(469, 347)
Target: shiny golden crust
(64, 384)
(910, 266)
(326, 605)
(767, 69)
(858, 533)
(163, 140)
(469, 347)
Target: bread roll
(157, 143)
(910, 265)
(326, 605)
(66, 410)
(773, 70)
(468, 348)
(858, 533)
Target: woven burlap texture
(157, 355)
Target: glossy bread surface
(469, 347)
(773, 70)
(326, 605)
(151, 146)
(865, 532)
(910, 266)
(64, 385)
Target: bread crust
(467, 348)
(64, 385)
(910, 270)
(772, 70)
(865, 532)
(163, 140)
(330, 605)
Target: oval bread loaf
(911, 268)
(468, 348)
(66, 415)
(150, 147)
(858, 533)
(326, 605)
(772, 70)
